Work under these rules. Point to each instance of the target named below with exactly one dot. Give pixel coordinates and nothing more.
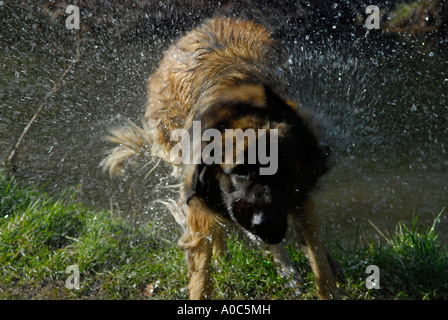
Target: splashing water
(382, 107)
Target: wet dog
(218, 95)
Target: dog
(224, 75)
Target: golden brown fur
(190, 75)
(222, 73)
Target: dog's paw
(295, 282)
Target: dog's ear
(281, 110)
(195, 180)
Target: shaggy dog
(225, 75)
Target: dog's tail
(134, 142)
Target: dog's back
(201, 66)
(218, 55)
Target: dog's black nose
(269, 228)
(259, 219)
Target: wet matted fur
(224, 74)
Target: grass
(40, 236)
(413, 265)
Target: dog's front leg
(308, 230)
(197, 243)
(219, 239)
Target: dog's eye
(244, 170)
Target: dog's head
(267, 174)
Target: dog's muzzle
(270, 227)
(269, 224)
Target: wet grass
(40, 236)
